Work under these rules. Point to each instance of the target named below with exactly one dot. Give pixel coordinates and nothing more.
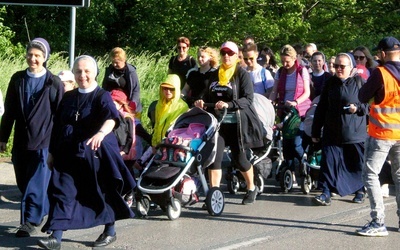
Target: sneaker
(26, 230)
(322, 200)
(250, 196)
(373, 229)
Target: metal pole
(72, 37)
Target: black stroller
(259, 156)
(169, 179)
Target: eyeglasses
(359, 58)
(166, 89)
(181, 47)
(336, 66)
(248, 58)
(229, 53)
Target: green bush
(151, 69)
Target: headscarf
(168, 110)
(42, 45)
(352, 61)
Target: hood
(172, 80)
(394, 68)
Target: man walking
(383, 87)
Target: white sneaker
(385, 190)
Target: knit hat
(231, 46)
(288, 50)
(119, 96)
(42, 45)
(66, 75)
(388, 44)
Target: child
(125, 133)
(68, 79)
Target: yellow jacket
(168, 111)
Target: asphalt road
(275, 221)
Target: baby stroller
(169, 178)
(257, 157)
(311, 165)
(289, 128)
(312, 153)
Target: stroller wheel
(259, 182)
(286, 180)
(233, 185)
(215, 201)
(174, 213)
(306, 184)
(143, 206)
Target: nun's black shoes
(104, 240)
(50, 243)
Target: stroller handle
(212, 105)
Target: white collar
(88, 90)
(36, 75)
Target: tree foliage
(154, 25)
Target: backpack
(263, 78)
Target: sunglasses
(166, 89)
(359, 58)
(229, 53)
(248, 58)
(336, 66)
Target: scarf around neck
(225, 73)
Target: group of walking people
(71, 145)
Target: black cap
(388, 44)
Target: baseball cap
(231, 46)
(388, 44)
(66, 75)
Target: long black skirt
(341, 168)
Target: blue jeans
(376, 152)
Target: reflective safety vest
(384, 120)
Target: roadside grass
(151, 69)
